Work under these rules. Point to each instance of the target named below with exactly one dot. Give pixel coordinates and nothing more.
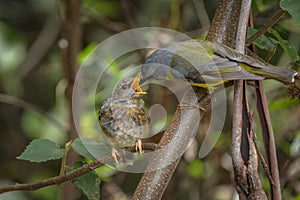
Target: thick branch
(72, 39)
(154, 183)
(244, 155)
(224, 24)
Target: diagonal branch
(103, 21)
(8, 99)
(266, 26)
(57, 180)
(270, 166)
(154, 183)
(269, 140)
(41, 45)
(64, 177)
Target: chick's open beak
(136, 85)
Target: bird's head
(128, 88)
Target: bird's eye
(124, 87)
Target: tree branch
(244, 155)
(5, 98)
(105, 22)
(57, 180)
(269, 140)
(41, 45)
(266, 26)
(271, 166)
(72, 37)
(154, 183)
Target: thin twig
(57, 180)
(258, 85)
(269, 140)
(266, 26)
(64, 158)
(41, 45)
(105, 22)
(63, 177)
(8, 99)
(127, 12)
(262, 159)
(201, 13)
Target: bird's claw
(115, 154)
(187, 105)
(138, 146)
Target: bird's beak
(136, 85)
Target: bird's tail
(256, 65)
(278, 73)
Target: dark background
(31, 69)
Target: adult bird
(208, 64)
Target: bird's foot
(115, 154)
(190, 106)
(138, 146)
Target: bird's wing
(106, 118)
(256, 65)
(192, 58)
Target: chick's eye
(124, 87)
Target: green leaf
(293, 7)
(262, 42)
(297, 197)
(105, 172)
(290, 25)
(86, 52)
(286, 45)
(42, 150)
(283, 103)
(89, 183)
(90, 148)
(295, 147)
(14, 195)
(201, 37)
(195, 169)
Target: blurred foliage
(293, 7)
(42, 83)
